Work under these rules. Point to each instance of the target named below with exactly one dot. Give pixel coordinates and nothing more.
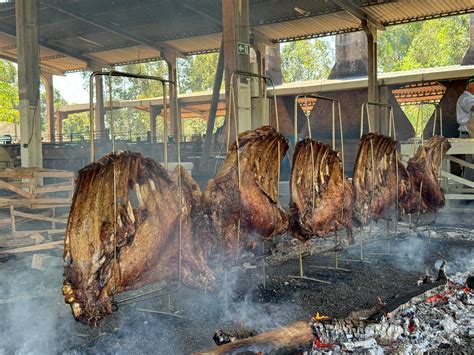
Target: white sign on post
(243, 48)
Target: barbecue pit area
(317, 219)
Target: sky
(71, 88)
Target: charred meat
(321, 196)
(110, 249)
(378, 178)
(238, 211)
(424, 169)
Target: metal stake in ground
(301, 275)
(336, 258)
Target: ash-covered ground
(35, 319)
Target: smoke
(412, 255)
(244, 308)
(462, 261)
(28, 307)
(425, 250)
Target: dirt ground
(34, 318)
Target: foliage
(306, 60)
(76, 126)
(197, 126)
(196, 73)
(431, 43)
(418, 115)
(8, 93)
(9, 102)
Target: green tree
(76, 126)
(306, 60)
(432, 43)
(425, 44)
(8, 92)
(196, 73)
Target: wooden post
(26, 12)
(372, 84)
(211, 118)
(48, 84)
(287, 339)
(154, 111)
(236, 26)
(99, 117)
(175, 121)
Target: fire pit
(34, 303)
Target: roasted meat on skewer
(321, 197)
(424, 169)
(101, 259)
(379, 178)
(237, 212)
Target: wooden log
(29, 249)
(4, 202)
(15, 189)
(38, 217)
(290, 339)
(53, 188)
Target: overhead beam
(216, 20)
(159, 46)
(357, 12)
(44, 68)
(260, 37)
(90, 62)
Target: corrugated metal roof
(408, 10)
(192, 26)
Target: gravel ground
(36, 320)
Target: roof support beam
(160, 46)
(91, 62)
(357, 12)
(202, 13)
(44, 68)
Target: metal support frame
(114, 73)
(391, 126)
(437, 109)
(164, 82)
(233, 109)
(335, 103)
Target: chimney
(351, 56)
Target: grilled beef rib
(145, 247)
(239, 211)
(321, 198)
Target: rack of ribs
(321, 196)
(240, 213)
(103, 258)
